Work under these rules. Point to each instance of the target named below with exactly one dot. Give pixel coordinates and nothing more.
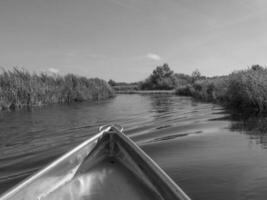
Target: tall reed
(244, 90)
(19, 88)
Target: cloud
(53, 70)
(153, 56)
(125, 4)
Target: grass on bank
(244, 90)
(19, 88)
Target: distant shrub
(19, 88)
(211, 89)
(181, 80)
(185, 90)
(131, 87)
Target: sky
(125, 40)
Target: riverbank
(19, 88)
(145, 91)
(245, 90)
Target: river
(209, 152)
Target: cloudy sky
(125, 39)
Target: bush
(185, 90)
(211, 89)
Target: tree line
(161, 78)
(245, 90)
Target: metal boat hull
(107, 166)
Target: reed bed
(19, 88)
(244, 90)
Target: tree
(162, 71)
(196, 75)
(162, 78)
(256, 67)
(111, 82)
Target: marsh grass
(244, 90)
(19, 88)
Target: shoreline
(146, 92)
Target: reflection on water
(161, 103)
(209, 152)
(254, 127)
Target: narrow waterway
(209, 152)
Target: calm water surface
(209, 152)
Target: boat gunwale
(154, 166)
(54, 163)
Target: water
(209, 152)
